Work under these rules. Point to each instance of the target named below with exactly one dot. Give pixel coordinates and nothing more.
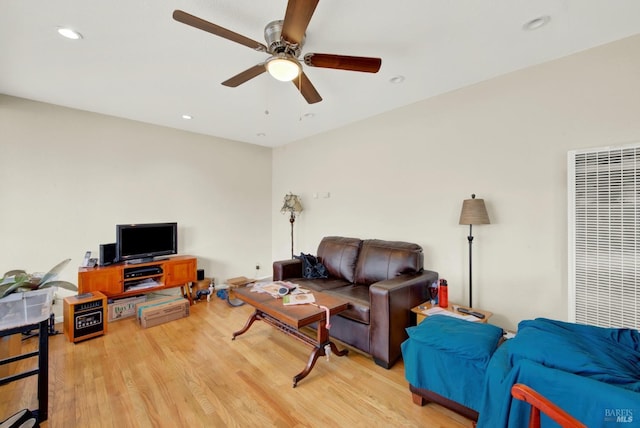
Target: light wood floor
(188, 373)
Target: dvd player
(142, 271)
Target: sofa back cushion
(339, 255)
(380, 260)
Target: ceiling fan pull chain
(301, 104)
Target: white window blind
(604, 236)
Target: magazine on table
(298, 299)
(275, 288)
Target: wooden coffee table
(290, 319)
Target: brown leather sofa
(382, 280)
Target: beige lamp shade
(291, 204)
(474, 212)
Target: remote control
(468, 312)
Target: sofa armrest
(391, 303)
(285, 269)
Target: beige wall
(403, 175)
(67, 177)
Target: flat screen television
(143, 242)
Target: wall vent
(604, 236)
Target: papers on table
(276, 289)
(298, 299)
(441, 311)
(291, 293)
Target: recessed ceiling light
(397, 79)
(536, 23)
(187, 117)
(69, 33)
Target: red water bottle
(443, 294)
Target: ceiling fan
(285, 39)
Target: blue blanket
(449, 356)
(592, 373)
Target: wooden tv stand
(125, 280)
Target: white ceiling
(136, 62)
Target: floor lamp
(293, 206)
(473, 212)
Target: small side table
(232, 284)
(201, 285)
(427, 305)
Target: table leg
(319, 350)
(250, 321)
(43, 372)
(335, 350)
(186, 292)
(323, 340)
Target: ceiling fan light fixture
(283, 67)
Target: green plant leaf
(53, 272)
(18, 277)
(63, 284)
(14, 272)
(10, 288)
(19, 280)
(28, 286)
(4, 288)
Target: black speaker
(107, 254)
(200, 274)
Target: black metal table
(43, 364)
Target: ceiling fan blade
(307, 89)
(343, 62)
(246, 75)
(296, 19)
(219, 31)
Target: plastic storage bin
(26, 308)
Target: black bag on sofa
(311, 267)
